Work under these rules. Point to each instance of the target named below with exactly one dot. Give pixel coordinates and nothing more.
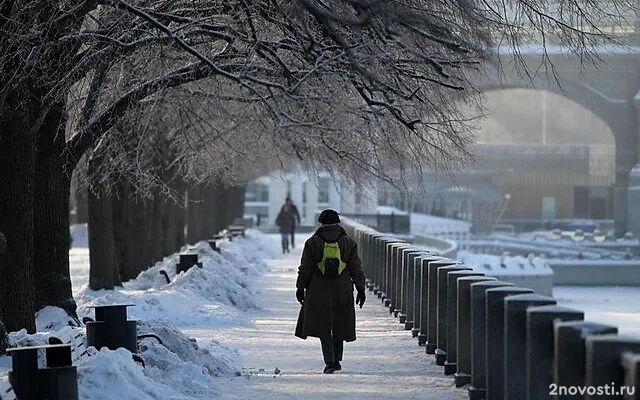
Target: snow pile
(181, 362)
(112, 374)
(177, 368)
(52, 318)
(215, 292)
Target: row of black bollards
(499, 341)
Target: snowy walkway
(385, 361)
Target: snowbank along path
(384, 362)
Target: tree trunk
(123, 210)
(237, 202)
(169, 227)
(209, 212)
(158, 225)
(52, 238)
(17, 190)
(220, 208)
(194, 215)
(102, 250)
(180, 236)
(140, 239)
(82, 208)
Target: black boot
(337, 366)
(329, 368)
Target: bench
(6, 391)
(75, 338)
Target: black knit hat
(329, 217)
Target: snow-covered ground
(228, 333)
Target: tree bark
(237, 202)
(140, 240)
(102, 250)
(169, 227)
(158, 225)
(3, 331)
(194, 216)
(180, 237)
(82, 209)
(17, 190)
(123, 210)
(52, 238)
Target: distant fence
(497, 340)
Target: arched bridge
(608, 86)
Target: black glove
(300, 295)
(360, 298)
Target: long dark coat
(285, 219)
(329, 303)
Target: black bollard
(406, 302)
(416, 291)
(569, 352)
(494, 334)
(386, 253)
(463, 340)
(604, 363)
(424, 301)
(631, 365)
(422, 295)
(432, 305)
(540, 346)
(452, 318)
(443, 282)
(515, 341)
(388, 268)
(396, 276)
(375, 265)
(381, 262)
(478, 336)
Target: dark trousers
(293, 236)
(331, 348)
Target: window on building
(323, 190)
(256, 192)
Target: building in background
(310, 193)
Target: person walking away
(296, 214)
(329, 269)
(284, 220)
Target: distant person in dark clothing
(285, 221)
(329, 269)
(296, 214)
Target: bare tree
(400, 66)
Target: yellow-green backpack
(331, 265)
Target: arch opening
(553, 157)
